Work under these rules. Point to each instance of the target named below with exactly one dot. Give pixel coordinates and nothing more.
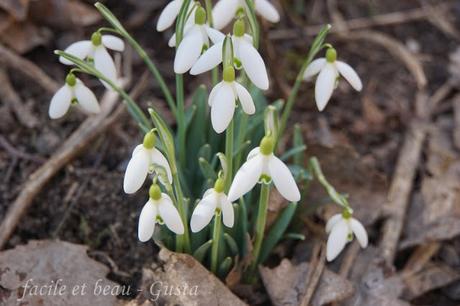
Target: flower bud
(71, 80)
(219, 185)
(155, 192)
(149, 140)
(239, 28)
(96, 38)
(229, 74)
(267, 145)
(200, 16)
(331, 55)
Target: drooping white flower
(225, 10)
(341, 228)
(73, 90)
(95, 50)
(245, 56)
(329, 69)
(261, 161)
(144, 159)
(196, 39)
(169, 15)
(214, 200)
(222, 101)
(158, 209)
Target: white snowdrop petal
(168, 212)
(203, 213)
(60, 102)
(245, 99)
(188, 52)
(223, 108)
(267, 10)
(337, 240)
(283, 179)
(314, 68)
(332, 221)
(80, 49)
(146, 225)
(113, 42)
(158, 158)
(228, 214)
(253, 153)
(86, 98)
(223, 12)
(208, 60)
(253, 64)
(216, 36)
(105, 64)
(325, 85)
(350, 75)
(360, 232)
(136, 171)
(213, 92)
(168, 15)
(172, 41)
(246, 178)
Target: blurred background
(394, 148)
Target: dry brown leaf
(182, 273)
(372, 287)
(348, 174)
(286, 285)
(45, 263)
(24, 36)
(16, 8)
(433, 276)
(434, 213)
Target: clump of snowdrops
(210, 178)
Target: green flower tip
(239, 28)
(229, 74)
(71, 79)
(219, 185)
(200, 16)
(155, 192)
(346, 214)
(267, 145)
(96, 38)
(149, 140)
(331, 55)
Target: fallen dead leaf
(47, 263)
(286, 285)
(181, 280)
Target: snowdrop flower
(214, 201)
(145, 157)
(262, 162)
(95, 50)
(245, 56)
(329, 69)
(169, 15)
(225, 10)
(73, 91)
(341, 228)
(196, 39)
(222, 100)
(158, 209)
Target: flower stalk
(216, 234)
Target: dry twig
(317, 263)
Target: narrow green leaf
(231, 244)
(207, 170)
(293, 152)
(200, 253)
(277, 231)
(225, 267)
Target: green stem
(150, 64)
(240, 138)
(182, 241)
(180, 115)
(260, 227)
(229, 154)
(215, 242)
